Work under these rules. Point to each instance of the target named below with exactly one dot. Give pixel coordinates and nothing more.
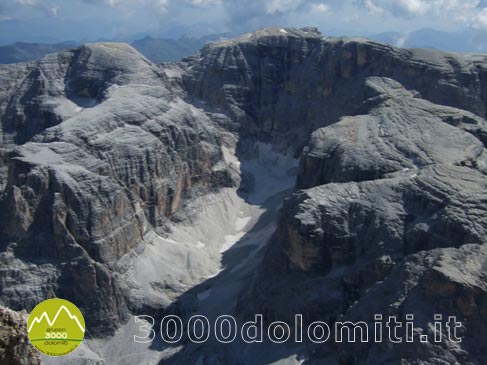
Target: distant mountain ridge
(22, 52)
(170, 50)
(160, 50)
(155, 49)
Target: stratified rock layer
(285, 83)
(100, 151)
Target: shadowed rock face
(101, 148)
(399, 177)
(346, 237)
(448, 282)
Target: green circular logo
(56, 327)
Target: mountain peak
(271, 32)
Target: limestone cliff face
(400, 180)
(100, 151)
(285, 83)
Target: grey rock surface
(103, 152)
(15, 348)
(345, 237)
(446, 282)
(398, 131)
(281, 84)
(382, 188)
(100, 152)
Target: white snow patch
(230, 157)
(273, 173)
(173, 71)
(242, 222)
(230, 240)
(283, 31)
(292, 360)
(215, 274)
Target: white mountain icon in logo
(45, 316)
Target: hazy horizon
(53, 21)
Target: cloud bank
(119, 18)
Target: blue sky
(59, 20)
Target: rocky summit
(280, 172)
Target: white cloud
(54, 9)
(334, 16)
(426, 7)
(402, 40)
(113, 2)
(45, 6)
(205, 3)
(414, 7)
(461, 12)
(320, 7)
(406, 8)
(281, 6)
(161, 4)
(480, 20)
(27, 2)
(372, 7)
